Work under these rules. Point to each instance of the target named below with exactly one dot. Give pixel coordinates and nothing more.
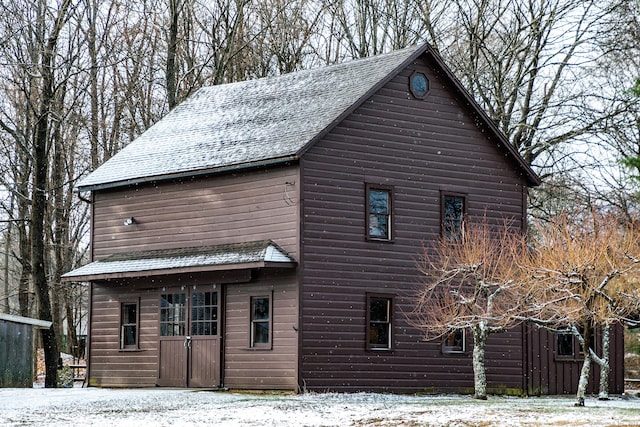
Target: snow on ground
(176, 407)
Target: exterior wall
(16, 354)
(274, 368)
(108, 365)
(270, 369)
(552, 375)
(420, 148)
(233, 208)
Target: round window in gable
(419, 85)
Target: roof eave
(532, 178)
(188, 174)
(416, 54)
(171, 271)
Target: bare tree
(472, 284)
(584, 271)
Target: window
(564, 345)
(129, 325)
(453, 211)
(204, 313)
(379, 213)
(379, 326)
(173, 313)
(454, 342)
(419, 85)
(261, 322)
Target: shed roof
(259, 122)
(40, 324)
(233, 256)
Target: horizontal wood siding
(274, 368)
(419, 148)
(110, 366)
(232, 208)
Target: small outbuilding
(16, 349)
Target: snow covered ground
(165, 407)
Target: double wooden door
(189, 337)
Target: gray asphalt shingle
(263, 251)
(246, 122)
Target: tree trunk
(605, 367)
(24, 247)
(480, 334)
(584, 378)
(171, 53)
(39, 200)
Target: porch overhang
(233, 256)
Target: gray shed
(16, 349)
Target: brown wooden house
(264, 235)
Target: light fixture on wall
(129, 221)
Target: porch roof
(232, 256)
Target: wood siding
(233, 208)
(273, 368)
(109, 366)
(552, 375)
(420, 148)
(16, 354)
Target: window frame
(447, 348)
(252, 323)
(390, 323)
(412, 88)
(443, 220)
(390, 213)
(571, 341)
(135, 324)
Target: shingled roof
(258, 254)
(256, 122)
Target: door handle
(187, 342)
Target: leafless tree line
(79, 80)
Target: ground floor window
(260, 321)
(564, 345)
(455, 342)
(204, 313)
(379, 322)
(173, 314)
(129, 325)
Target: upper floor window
(379, 202)
(129, 325)
(260, 322)
(379, 325)
(419, 85)
(453, 211)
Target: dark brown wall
(108, 366)
(274, 368)
(420, 147)
(232, 208)
(551, 375)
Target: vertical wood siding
(16, 354)
(233, 208)
(551, 375)
(274, 368)
(420, 148)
